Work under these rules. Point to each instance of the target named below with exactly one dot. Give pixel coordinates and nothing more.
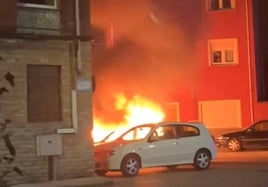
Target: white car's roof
(198, 125)
(166, 123)
(180, 123)
(195, 124)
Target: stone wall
(77, 157)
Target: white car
(163, 144)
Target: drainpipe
(249, 64)
(74, 127)
(78, 33)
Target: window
(260, 26)
(43, 93)
(221, 4)
(137, 133)
(223, 51)
(168, 132)
(164, 133)
(263, 126)
(187, 131)
(37, 3)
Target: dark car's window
(187, 131)
(262, 126)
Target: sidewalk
(94, 181)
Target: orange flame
(138, 110)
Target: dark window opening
(217, 58)
(214, 5)
(220, 4)
(43, 93)
(226, 4)
(260, 15)
(229, 56)
(38, 2)
(188, 131)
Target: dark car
(255, 136)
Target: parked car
(255, 136)
(150, 145)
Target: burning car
(158, 144)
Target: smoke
(151, 52)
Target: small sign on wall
(84, 84)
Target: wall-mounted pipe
(78, 33)
(249, 64)
(74, 127)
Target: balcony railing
(38, 21)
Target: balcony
(58, 18)
(37, 20)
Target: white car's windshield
(134, 133)
(137, 133)
(115, 134)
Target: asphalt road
(242, 169)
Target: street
(246, 169)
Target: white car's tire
(202, 159)
(130, 166)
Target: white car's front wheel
(202, 159)
(130, 166)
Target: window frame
(221, 47)
(159, 134)
(220, 3)
(134, 133)
(190, 133)
(33, 5)
(41, 119)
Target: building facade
(46, 96)
(231, 73)
(208, 57)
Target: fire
(137, 110)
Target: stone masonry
(77, 158)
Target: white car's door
(188, 143)
(161, 148)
